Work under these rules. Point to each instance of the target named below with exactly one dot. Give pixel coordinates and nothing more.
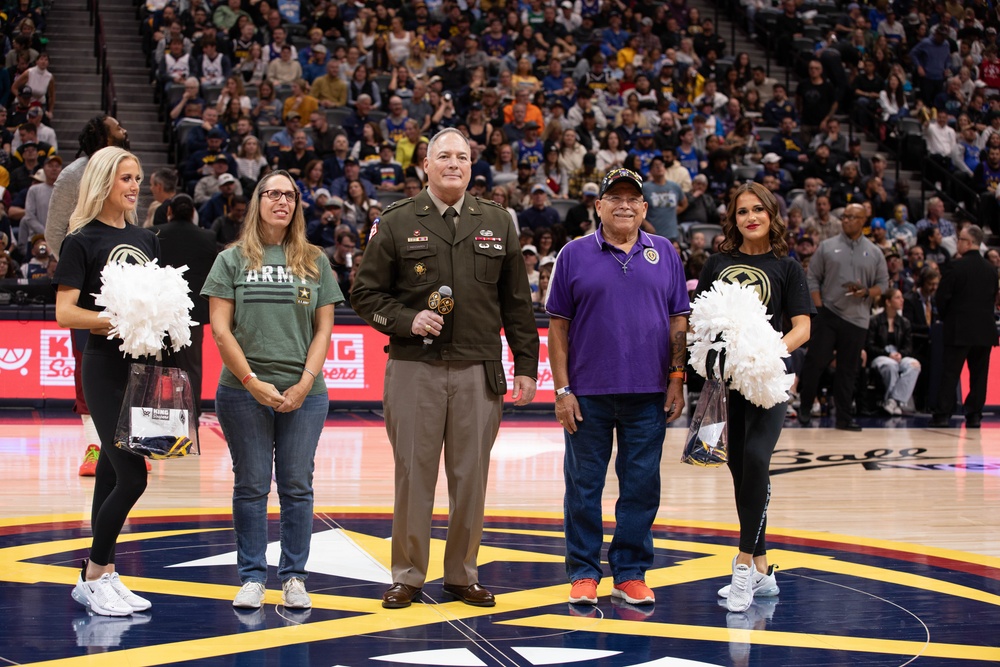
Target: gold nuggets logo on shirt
(741, 274)
(303, 296)
(651, 255)
(127, 254)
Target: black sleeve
(72, 268)
(798, 300)
(708, 273)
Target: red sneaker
(584, 591)
(89, 466)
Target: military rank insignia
(302, 296)
(420, 268)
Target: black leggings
(753, 434)
(121, 476)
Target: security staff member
(444, 380)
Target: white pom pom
(145, 303)
(731, 317)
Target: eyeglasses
(615, 200)
(291, 196)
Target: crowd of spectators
(29, 159)
(554, 94)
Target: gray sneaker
(251, 596)
(293, 594)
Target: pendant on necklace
(625, 270)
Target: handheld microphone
(442, 302)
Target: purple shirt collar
(643, 240)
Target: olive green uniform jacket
(412, 252)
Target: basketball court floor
(887, 543)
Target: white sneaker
(251, 596)
(741, 589)
(131, 599)
(764, 585)
(293, 594)
(892, 407)
(100, 597)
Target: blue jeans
(641, 426)
(257, 435)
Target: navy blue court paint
(842, 602)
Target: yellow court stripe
(212, 647)
(664, 524)
(837, 540)
(12, 567)
(759, 637)
(791, 560)
(719, 562)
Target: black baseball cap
(621, 174)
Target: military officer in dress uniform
(442, 274)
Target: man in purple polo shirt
(618, 305)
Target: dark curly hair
(94, 136)
(734, 239)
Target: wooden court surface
(935, 487)
(910, 515)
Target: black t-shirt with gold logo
(780, 283)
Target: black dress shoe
(473, 594)
(399, 596)
(804, 420)
(973, 421)
(848, 426)
(939, 421)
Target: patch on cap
(621, 174)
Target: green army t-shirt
(274, 313)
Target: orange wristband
(246, 378)
(678, 375)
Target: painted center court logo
(916, 601)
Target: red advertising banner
(36, 362)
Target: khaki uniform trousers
(427, 405)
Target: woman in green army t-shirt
(271, 297)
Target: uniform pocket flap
(489, 249)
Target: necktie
(927, 311)
(450, 215)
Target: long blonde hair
(300, 255)
(95, 186)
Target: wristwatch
(563, 391)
